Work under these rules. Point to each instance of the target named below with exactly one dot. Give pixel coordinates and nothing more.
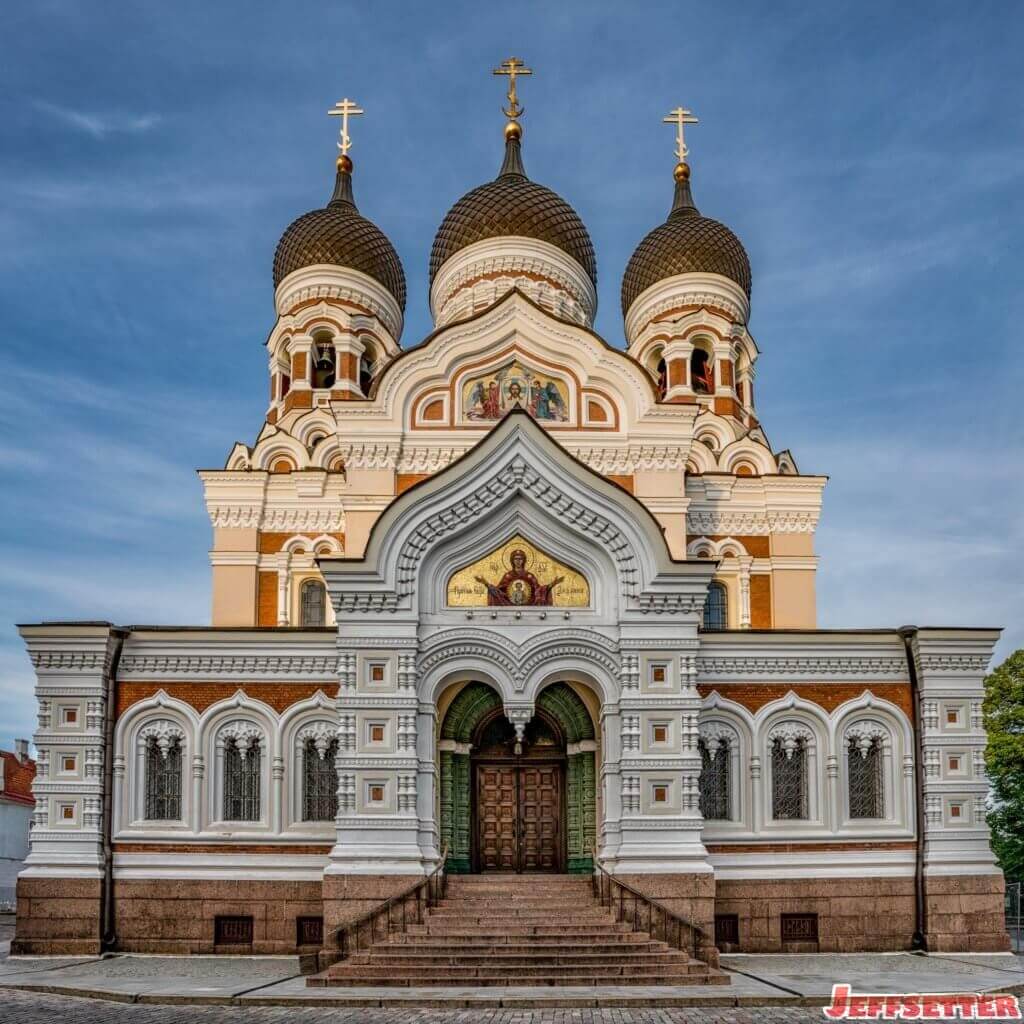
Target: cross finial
(681, 117)
(345, 109)
(512, 67)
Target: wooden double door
(519, 816)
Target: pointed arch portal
(517, 806)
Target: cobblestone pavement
(32, 1008)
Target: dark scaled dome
(339, 234)
(686, 243)
(513, 205)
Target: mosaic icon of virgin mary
(519, 586)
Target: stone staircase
(519, 930)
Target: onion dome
(339, 235)
(687, 243)
(513, 205)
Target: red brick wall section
(761, 601)
(826, 695)
(266, 599)
(200, 695)
(17, 779)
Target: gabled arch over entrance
(479, 763)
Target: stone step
(444, 979)
(615, 964)
(427, 944)
(516, 904)
(486, 931)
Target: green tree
(1004, 761)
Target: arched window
(662, 373)
(716, 606)
(714, 779)
(789, 778)
(864, 773)
(242, 773)
(323, 365)
(163, 779)
(313, 598)
(702, 373)
(319, 779)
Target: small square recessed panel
(376, 794)
(376, 733)
(661, 794)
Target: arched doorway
(509, 807)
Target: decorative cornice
(957, 663)
(161, 665)
(79, 661)
(721, 522)
(741, 667)
(370, 454)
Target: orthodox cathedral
(509, 600)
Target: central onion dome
(686, 244)
(512, 232)
(340, 236)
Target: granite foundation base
(57, 916)
(965, 913)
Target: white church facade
(509, 600)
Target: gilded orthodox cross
(513, 67)
(345, 109)
(681, 117)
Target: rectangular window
(952, 716)
(375, 793)
(727, 930)
(242, 777)
(163, 782)
(789, 782)
(319, 783)
(715, 801)
(799, 927)
(68, 763)
(659, 675)
(69, 716)
(659, 732)
(954, 764)
(67, 812)
(377, 672)
(376, 732)
(232, 930)
(309, 931)
(660, 793)
(956, 810)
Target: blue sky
(868, 154)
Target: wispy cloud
(99, 126)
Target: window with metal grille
(716, 607)
(242, 782)
(309, 931)
(714, 781)
(789, 780)
(314, 604)
(163, 781)
(799, 927)
(319, 783)
(232, 931)
(864, 772)
(727, 929)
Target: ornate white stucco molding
(164, 732)
(740, 667)
(246, 736)
(321, 733)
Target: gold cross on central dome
(512, 67)
(345, 109)
(681, 117)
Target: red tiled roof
(17, 779)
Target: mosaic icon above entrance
(518, 573)
(491, 395)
